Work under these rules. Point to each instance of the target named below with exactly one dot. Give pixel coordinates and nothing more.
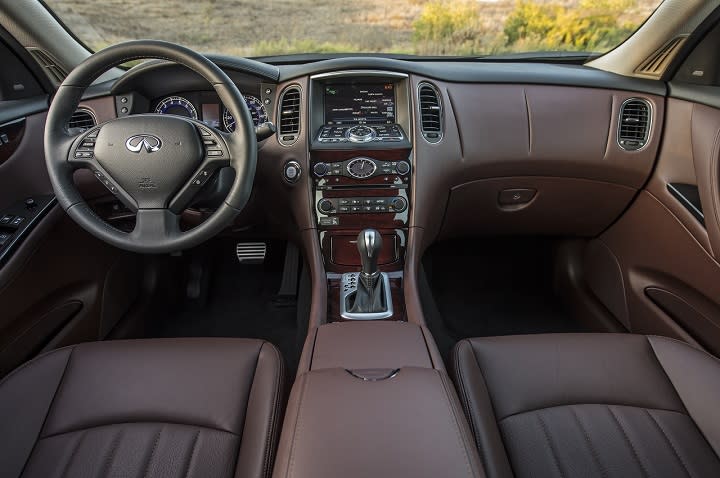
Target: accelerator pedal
(251, 252)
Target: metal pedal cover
(251, 252)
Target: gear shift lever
(369, 243)
(370, 297)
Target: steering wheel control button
(201, 178)
(516, 197)
(292, 171)
(215, 153)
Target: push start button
(516, 197)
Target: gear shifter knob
(369, 243)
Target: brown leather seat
(590, 405)
(168, 407)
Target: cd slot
(346, 187)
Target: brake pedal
(251, 252)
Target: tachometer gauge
(257, 112)
(177, 105)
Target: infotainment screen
(360, 103)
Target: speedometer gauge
(176, 105)
(257, 112)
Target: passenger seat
(591, 405)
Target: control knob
(321, 169)
(398, 204)
(402, 168)
(325, 205)
(361, 134)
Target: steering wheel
(154, 164)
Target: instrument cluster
(206, 107)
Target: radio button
(321, 169)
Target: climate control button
(398, 204)
(325, 205)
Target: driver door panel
(58, 284)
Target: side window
(16, 80)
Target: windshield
(415, 27)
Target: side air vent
(81, 120)
(430, 113)
(634, 126)
(655, 66)
(289, 115)
(48, 63)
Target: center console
(373, 403)
(360, 153)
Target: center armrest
(408, 425)
(370, 345)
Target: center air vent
(81, 120)
(430, 112)
(289, 115)
(634, 127)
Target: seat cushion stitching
(593, 451)
(112, 452)
(628, 441)
(193, 450)
(589, 403)
(548, 440)
(669, 442)
(78, 443)
(152, 453)
(192, 425)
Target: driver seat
(160, 407)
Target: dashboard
(449, 148)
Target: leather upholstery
(169, 407)
(590, 405)
(409, 425)
(370, 344)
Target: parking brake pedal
(251, 252)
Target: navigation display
(360, 103)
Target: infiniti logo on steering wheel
(150, 142)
